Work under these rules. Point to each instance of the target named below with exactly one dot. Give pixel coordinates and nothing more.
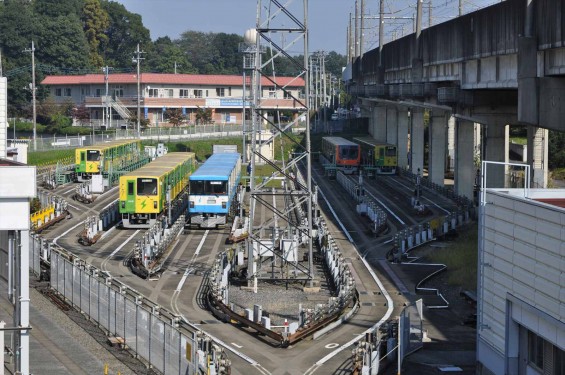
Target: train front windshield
(208, 187)
(146, 186)
(93, 155)
(390, 151)
(348, 152)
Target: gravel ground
(277, 301)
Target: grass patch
(49, 157)
(460, 257)
(519, 140)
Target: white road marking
(124, 243)
(70, 205)
(237, 346)
(190, 268)
(329, 346)
(56, 238)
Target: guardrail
(365, 205)
(54, 210)
(96, 224)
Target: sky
(327, 21)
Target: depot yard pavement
(451, 333)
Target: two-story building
(114, 100)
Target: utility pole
(362, 28)
(106, 109)
(32, 50)
(137, 59)
(356, 29)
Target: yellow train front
(143, 192)
(377, 157)
(97, 159)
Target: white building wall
(523, 245)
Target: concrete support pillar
(417, 141)
(496, 149)
(379, 123)
(538, 156)
(437, 135)
(464, 172)
(402, 146)
(450, 143)
(392, 125)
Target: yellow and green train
(377, 157)
(143, 192)
(97, 159)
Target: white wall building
(521, 286)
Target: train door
(130, 196)
(81, 162)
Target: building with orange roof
(159, 93)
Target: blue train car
(213, 189)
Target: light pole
(32, 50)
(137, 59)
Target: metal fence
(123, 315)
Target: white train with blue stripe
(213, 190)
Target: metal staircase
(118, 106)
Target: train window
(349, 152)
(217, 187)
(130, 187)
(82, 156)
(208, 187)
(390, 151)
(146, 186)
(93, 155)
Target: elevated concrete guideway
(499, 66)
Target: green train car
(99, 158)
(143, 192)
(378, 157)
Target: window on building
(220, 92)
(98, 93)
(207, 93)
(558, 361)
(168, 93)
(67, 91)
(118, 91)
(287, 95)
(197, 93)
(229, 91)
(58, 92)
(535, 351)
(153, 93)
(184, 93)
(544, 357)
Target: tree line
(82, 36)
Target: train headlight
(123, 204)
(224, 204)
(191, 204)
(155, 204)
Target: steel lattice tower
(289, 23)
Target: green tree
(55, 8)
(212, 53)
(61, 43)
(163, 56)
(125, 31)
(95, 22)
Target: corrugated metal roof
(161, 78)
